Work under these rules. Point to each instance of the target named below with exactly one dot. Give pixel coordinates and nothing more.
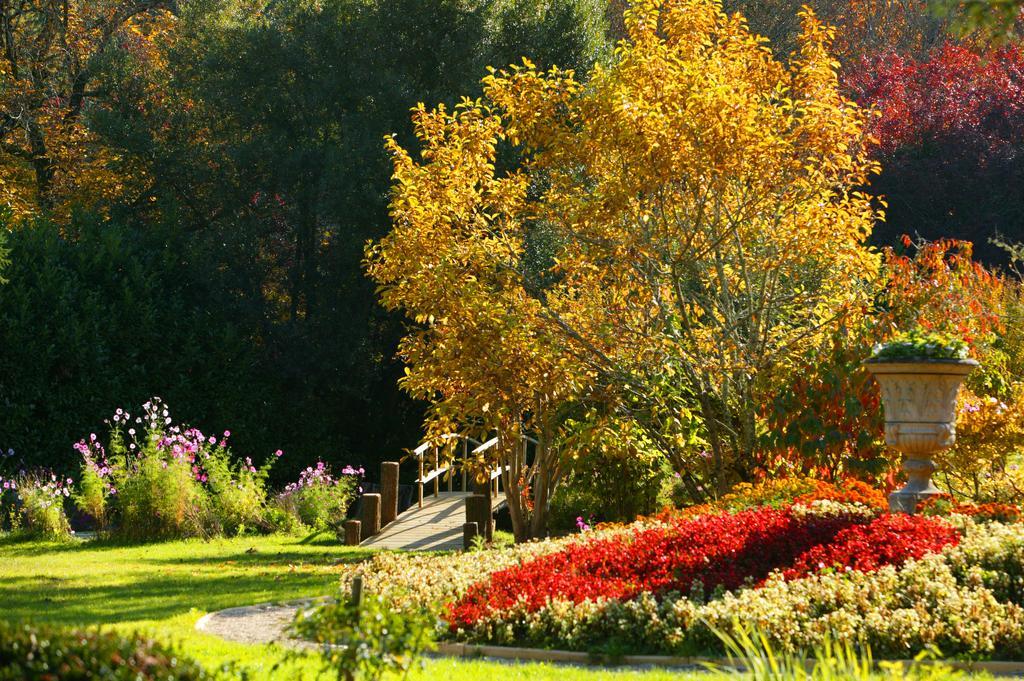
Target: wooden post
(478, 510)
(482, 488)
(370, 515)
(352, 537)
(437, 466)
(419, 483)
(388, 492)
(357, 590)
(465, 458)
(469, 532)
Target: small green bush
(238, 493)
(369, 638)
(920, 344)
(91, 497)
(608, 487)
(160, 498)
(46, 652)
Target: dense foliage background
(223, 273)
(190, 186)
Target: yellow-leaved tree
(673, 232)
(481, 352)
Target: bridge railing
(378, 510)
(432, 468)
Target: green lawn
(164, 588)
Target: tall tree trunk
(546, 474)
(42, 165)
(512, 464)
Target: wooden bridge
(437, 526)
(440, 521)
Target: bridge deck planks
(435, 527)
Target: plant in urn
(920, 375)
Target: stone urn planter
(919, 399)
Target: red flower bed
(726, 550)
(888, 540)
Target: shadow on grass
(269, 557)
(107, 582)
(155, 597)
(22, 545)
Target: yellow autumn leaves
(698, 210)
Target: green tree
(254, 137)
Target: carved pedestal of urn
(919, 399)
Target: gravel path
(254, 624)
(268, 623)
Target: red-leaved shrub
(949, 133)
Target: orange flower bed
(782, 492)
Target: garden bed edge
(471, 650)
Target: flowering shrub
(939, 288)
(159, 498)
(783, 492)
(984, 463)
(777, 492)
(945, 505)
(94, 484)
(848, 492)
(319, 500)
(41, 496)
(826, 508)
(163, 480)
(237, 490)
